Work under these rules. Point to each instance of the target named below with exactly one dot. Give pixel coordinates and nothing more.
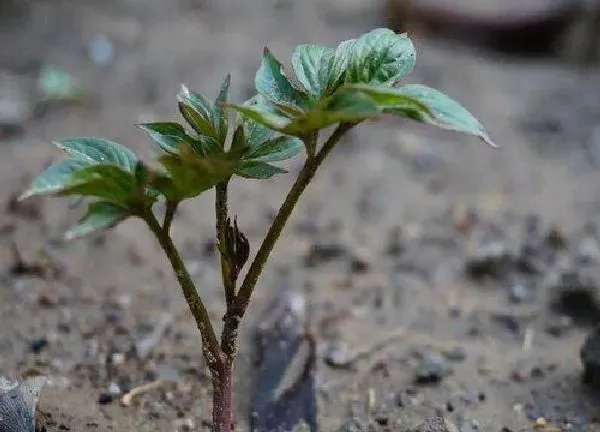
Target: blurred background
(529, 70)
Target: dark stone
(590, 357)
(575, 294)
(37, 345)
(105, 398)
(432, 370)
(492, 260)
(323, 253)
(559, 326)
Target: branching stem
(221, 212)
(304, 178)
(210, 344)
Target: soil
(457, 249)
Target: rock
(590, 357)
(574, 292)
(37, 345)
(490, 260)
(559, 326)
(114, 389)
(352, 425)
(321, 253)
(432, 370)
(435, 424)
(338, 355)
(105, 398)
(18, 403)
(588, 252)
(456, 354)
(518, 294)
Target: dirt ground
(479, 238)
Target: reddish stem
(222, 397)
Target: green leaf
(259, 115)
(430, 106)
(278, 149)
(98, 150)
(313, 65)
(103, 181)
(189, 179)
(206, 146)
(344, 105)
(258, 170)
(167, 135)
(196, 110)
(272, 83)
(219, 114)
(53, 179)
(340, 60)
(380, 56)
(238, 142)
(100, 216)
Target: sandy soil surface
(461, 248)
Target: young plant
(341, 87)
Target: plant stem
(221, 213)
(306, 175)
(222, 397)
(210, 344)
(169, 214)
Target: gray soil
(72, 311)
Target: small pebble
(518, 294)
(105, 398)
(37, 345)
(456, 353)
(432, 370)
(114, 389)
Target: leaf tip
(266, 51)
(27, 194)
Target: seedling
(341, 87)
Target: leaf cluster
(360, 79)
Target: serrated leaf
(380, 57)
(341, 59)
(168, 135)
(258, 170)
(100, 216)
(313, 65)
(103, 181)
(272, 83)
(427, 105)
(53, 179)
(196, 110)
(219, 113)
(92, 150)
(278, 149)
